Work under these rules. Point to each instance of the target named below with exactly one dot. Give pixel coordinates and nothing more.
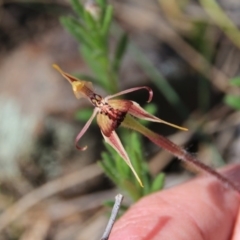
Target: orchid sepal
(137, 111)
(81, 89)
(114, 141)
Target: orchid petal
(115, 142)
(84, 130)
(132, 90)
(80, 88)
(137, 111)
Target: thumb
(201, 209)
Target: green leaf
(90, 21)
(77, 7)
(110, 149)
(158, 182)
(120, 50)
(122, 168)
(108, 168)
(78, 31)
(83, 114)
(108, 160)
(161, 83)
(107, 19)
(94, 58)
(102, 3)
(151, 108)
(235, 81)
(108, 203)
(89, 57)
(233, 101)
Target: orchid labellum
(112, 113)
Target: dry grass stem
(45, 191)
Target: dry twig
(45, 191)
(116, 207)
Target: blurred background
(187, 51)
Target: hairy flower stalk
(112, 113)
(176, 150)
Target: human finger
(201, 209)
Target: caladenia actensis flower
(113, 113)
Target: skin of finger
(201, 209)
(236, 233)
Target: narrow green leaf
(107, 19)
(110, 149)
(130, 187)
(78, 31)
(108, 203)
(147, 180)
(121, 167)
(151, 108)
(235, 81)
(77, 7)
(162, 84)
(89, 57)
(90, 21)
(83, 114)
(108, 167)
(120, 50)
(158, 183)
(233, 101)
(134, 148)
(102, 3)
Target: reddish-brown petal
(133, 90)
(137, 111)
(115, 142)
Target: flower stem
(176, 150)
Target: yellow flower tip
(180, 128)
(139, 180)
(183, 128)
(175, 126)
(57, 67)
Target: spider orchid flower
(112, 113)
